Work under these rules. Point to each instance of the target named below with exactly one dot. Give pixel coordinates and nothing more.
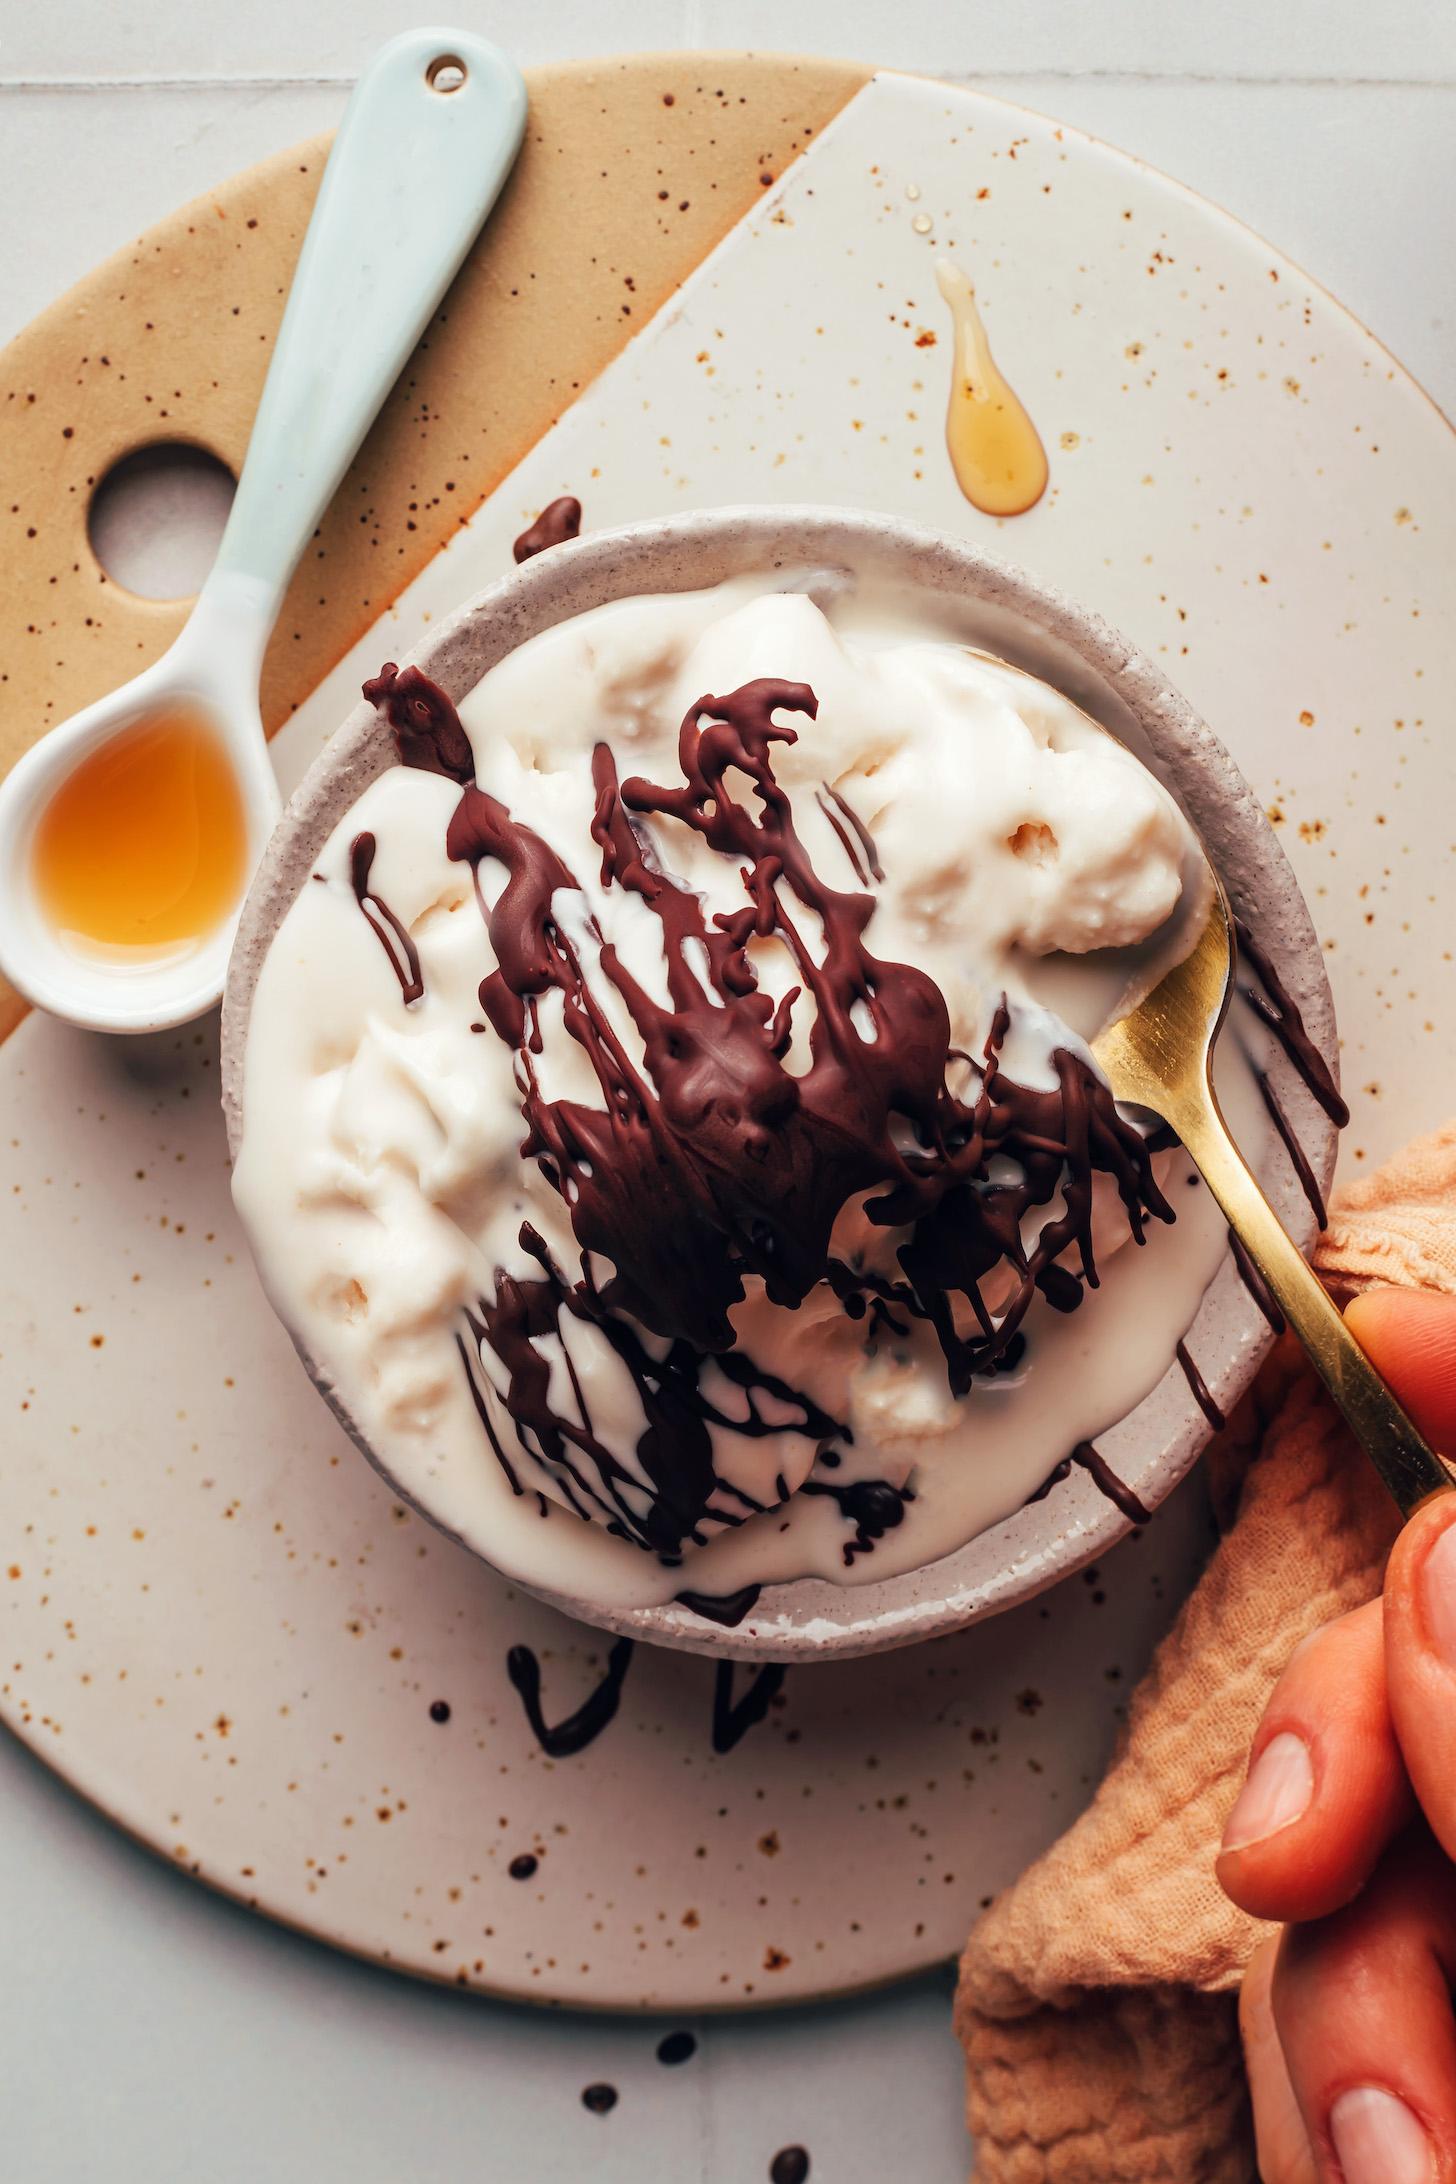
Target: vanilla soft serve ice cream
(668, 1124)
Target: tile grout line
(342, 80)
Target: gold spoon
(1160, 1056)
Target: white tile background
(149, 2032)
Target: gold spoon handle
(1408, 1465)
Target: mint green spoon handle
(413, 172)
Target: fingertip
(1420, 1591)
(1325, 1789)
(1282, 2143)
(1319, 1867)
(1409, 1336)
(1362, 2007)
(1418, 1539)
(1420, 1648)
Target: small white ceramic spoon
(428, 139)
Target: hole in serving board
(156, 518)
(447, 73)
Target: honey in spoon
(995, 449)
(143, 849)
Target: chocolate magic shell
(733, 1183)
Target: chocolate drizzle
(1275, 1007)
(558, 521)
(675, 1449)
(427, 730)
(872, 1506)
(394, 937)
(1095, 1464)
(758, 1162)
(859, 843)
(1256, 1285)
(581, 1728)
(752, 1162)
(1054, 1477)
(732, 1719)
(1199, 1390)
(725, 1609)
(1299, 1160)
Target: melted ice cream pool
(1024, 853)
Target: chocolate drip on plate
(558, 521)
(1095, 1464)
(1308, 1181)
(725, 1609)
(1256, 1285)
(1198, 1389)
(1276, 1008)
(578, 1730)
(394, 937)
(733, 1720)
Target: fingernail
(1377, 2140)
(1438, 1595)
(1279, 1788)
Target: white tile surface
(85, 171)
(1301, 40)
(153, 2034)
(150, 2032)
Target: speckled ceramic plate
(218, 1623)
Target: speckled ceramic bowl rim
(1037, 626)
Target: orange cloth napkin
(1098, 1997)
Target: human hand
(1345, 1831)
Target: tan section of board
(631, 172)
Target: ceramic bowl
(1006, 611)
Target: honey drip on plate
(995, 449)
(144, 848)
